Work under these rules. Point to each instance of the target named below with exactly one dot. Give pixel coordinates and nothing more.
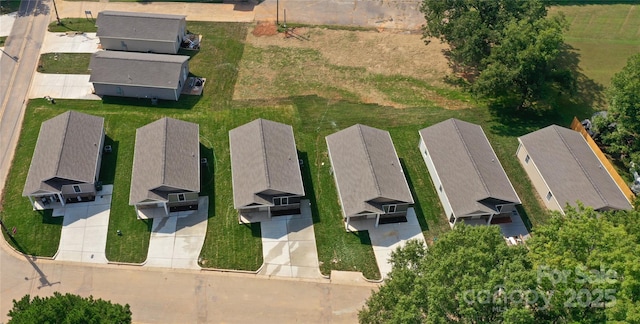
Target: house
(564, 170)
(368, 175)
(66, 160)
(166, 167)
(141, 32)
(138, 75)
(265, 169)
(468, 177)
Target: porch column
(136, 207)
(269, 211)
(490, 218)
(377, 219)
(166, 210)
(347, 225)
(32, 203)
(60, 198)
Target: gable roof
(67, 149)
(263, 158)
(366, 167)
(136, 69)
(142, 26)
(166, 159)
(572, 170)
(469, 170)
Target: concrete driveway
(289, 245)
(63, 43)
(62, 86)
(386, 238)
(176, 241)
(84, 229)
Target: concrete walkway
(176, 241)
(386, 238)
(6, 23)
(289, 245)
(84, 229)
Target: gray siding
(135, 92)
(536, 179)
(145, 46)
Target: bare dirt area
(389, 68)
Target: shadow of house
(66, 160)
(469, 178)
(166, 168)
(109, 160)
(265, 170)
(368, 175)
(138, 75)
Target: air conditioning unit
(203, 161)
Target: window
(426, 152)
(181, 197)
(549, 195)
(390, 208)
(76, 189)
(440, 188)
(527, 158)
(279, 201)
(119, 91)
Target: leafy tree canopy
(508, 49)
(582, 267)
(621, 127)
(67, 308)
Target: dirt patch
(266, 28)
(341, 64)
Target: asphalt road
(18, 63)
(182, 296)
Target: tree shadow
(417, 207)
(307, 181)
(109, 161)
(33, 7)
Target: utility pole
(56, 10)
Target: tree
(67, 308)
(589, 265)
(508, 49)
(620, 129)
(473, 27)
(525, 66)
(469, 275)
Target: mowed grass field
(605, 36)
(315, 105)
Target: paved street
(158, 295)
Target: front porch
(58, 202)
(159, 212)
(256, 216)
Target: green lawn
(74, 24)
(604, 36)
(64, 63)
(233, 246)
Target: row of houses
(139, 58)
(267, 179)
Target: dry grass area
(388, 68)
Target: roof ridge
(473, 162)
(556, 129)
(164, 151)
(264, 151)
(373, 173)
(63, 139)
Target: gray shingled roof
(264, 162)
(366, 167)
(571, 169)
(470, 172)
(136, 69)
(134, 25)
(67, 151)
(166, 159)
